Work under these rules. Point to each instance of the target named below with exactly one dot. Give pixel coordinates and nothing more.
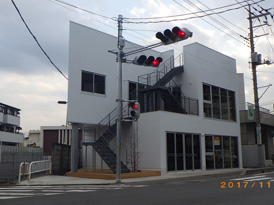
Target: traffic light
(134, 110)
(147, 61)
(177, 34)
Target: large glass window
(216, 102)
(224, 104)
(231, 100)
(170, 152)
(188, 146)
(219, 103)
(221, 152)
(183, 152)
(206, 92)
(179, 152)
(218, 148)
(93, 83)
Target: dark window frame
(219, 106)
(93, 83)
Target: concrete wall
(251, 155)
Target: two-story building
(10, 125)
(189, 106)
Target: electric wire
(215, 20)
(93, 13)
(187, 14)
(37, 40)
(223, 18)
(181, 19)
(212, 24)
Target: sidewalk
(53, 180)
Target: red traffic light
(157, 61)
(177, 34)
(134, 106)
(147, 61)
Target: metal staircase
(158, 90)
(106, 130)
(169, 76)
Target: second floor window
(219, 103)
(93, 83)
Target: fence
(12, 156)
(34, 167)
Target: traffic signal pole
(179, 36)
(120, 46)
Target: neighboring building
(49, 135)
(10, 125)
(251, 150)
(189, 106)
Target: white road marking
(259, 179)
(248, 178)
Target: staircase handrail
(107, 122)
(151, 78)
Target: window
(93, 83)
(221, 152)
(183, 152)
(219, 103)
(133, 91)
(216, 102)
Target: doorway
(183, 152)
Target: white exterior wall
(11, 137)
(89, 51)
(201, 65)
(13, 120)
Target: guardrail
(34, 167)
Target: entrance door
(183, 152)
(210, 160)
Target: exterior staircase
(158, 92)
(106, 130)
(169, 76)
(106, 153)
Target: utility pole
(255, 61)
(120, 45)
(254, 74)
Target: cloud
(36, 96)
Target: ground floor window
(183, 151)
(221, 152)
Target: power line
(215, 20)
(93, 13)
(209, 22)
(180, 19)
(37, 40)
(224, 18)
(161, 17)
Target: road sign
(250, 112)
(258, 134)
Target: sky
(31, 83)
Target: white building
(189, 106)
(10, 125)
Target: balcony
(11, 137)
(1, 117)
(11, 119)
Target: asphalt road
(214, 189)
